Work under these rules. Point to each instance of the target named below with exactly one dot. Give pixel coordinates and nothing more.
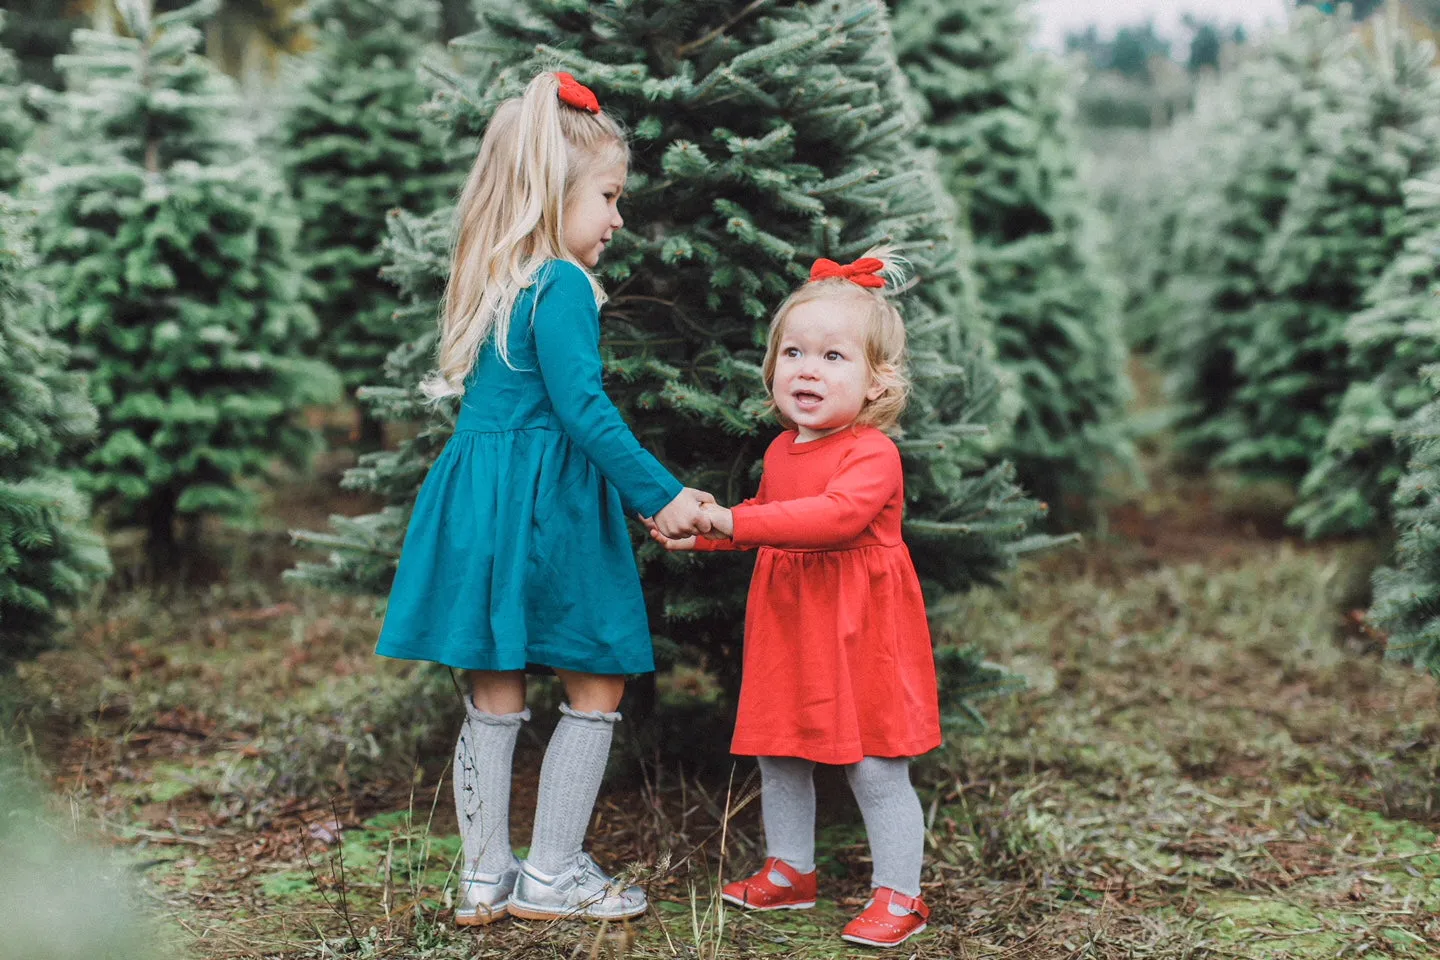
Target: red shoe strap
(913, 904)
(782, 868)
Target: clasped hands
(692, 513)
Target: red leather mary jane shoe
(880, 926)
(759, 892)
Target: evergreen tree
(1351, 485)
(1407, 595)
(457, 18)
(1254, 135)
(999, 117)
(763, 138)
(38, 30)
(1343, 224)
(169, 246)
(15, 123)
(1359, 9)
(49, 558)
(355, 148)
(1206, 42)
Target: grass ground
(1211, 761)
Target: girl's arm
(567, 345)
(854, 496)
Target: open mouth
(806, 399)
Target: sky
(1059, 17)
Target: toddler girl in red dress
(838, 665)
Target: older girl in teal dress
(517, 552)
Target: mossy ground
(1212, 760)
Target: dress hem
(851, 752)
(562, 663)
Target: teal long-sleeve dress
(517, 552)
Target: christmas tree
(1352, 479)
(15, 123)
(1254, 134)
(998, 115)
(49, 557)
(1351, 485)
(1343, 224)
(762, 138)
(1407, 595)
(354, 149)
(169, 246)
(37, 30)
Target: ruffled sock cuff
(495, 719)
(570, 711)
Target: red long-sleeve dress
(838, 664)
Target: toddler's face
(822, 379)
(592, 214)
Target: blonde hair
(884, 339)
(510, 220)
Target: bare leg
(498, 691)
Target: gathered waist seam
(849, 549)
(548, 428)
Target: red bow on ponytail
(575, 94)
(864, 271)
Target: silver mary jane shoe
(581, 891)
(484, 897)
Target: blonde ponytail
(510, 220)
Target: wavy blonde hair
(511, 219)
(884, 339)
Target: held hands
(722, 527)
(684, 516)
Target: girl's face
(822, 379)
(592, 215)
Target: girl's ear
(876, 390)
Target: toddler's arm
(716, 541)
(699, 544)
(853, 497)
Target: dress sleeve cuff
(664, 490)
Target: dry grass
(1212, 761)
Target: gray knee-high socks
(893, 818)
(483, 756)
(569, 783)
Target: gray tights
(888, 803)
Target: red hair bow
(864, 271)
(575, 94)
